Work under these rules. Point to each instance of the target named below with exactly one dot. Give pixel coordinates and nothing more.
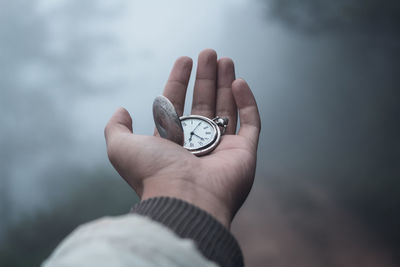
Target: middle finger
(204, 93)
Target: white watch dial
(198, 133)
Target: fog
(325, 76)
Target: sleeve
(212, 239)
(125, 241)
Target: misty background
(326, 78)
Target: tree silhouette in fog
(31, 240)
(22, 110)
(358, 96)
(44, 56)
(317, 16)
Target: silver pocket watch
(198, 134)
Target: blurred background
(326, 77)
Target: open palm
(218, 182)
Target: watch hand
(201, 138)
(196, 127)
(191, 135)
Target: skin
(218, 182)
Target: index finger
(175, 89)
(250, 123)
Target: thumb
(120, 122)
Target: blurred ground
(296, 223)
(284, 222)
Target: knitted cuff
(213, 240)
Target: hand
(218, 182)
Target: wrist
(212, 239)
(185, 189)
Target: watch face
(201, 134)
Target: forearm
(129, 240)
(159, 230)
(187, 190)
(212, 239)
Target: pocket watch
(198, 134)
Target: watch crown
(221, 122)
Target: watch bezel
(213, 144)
